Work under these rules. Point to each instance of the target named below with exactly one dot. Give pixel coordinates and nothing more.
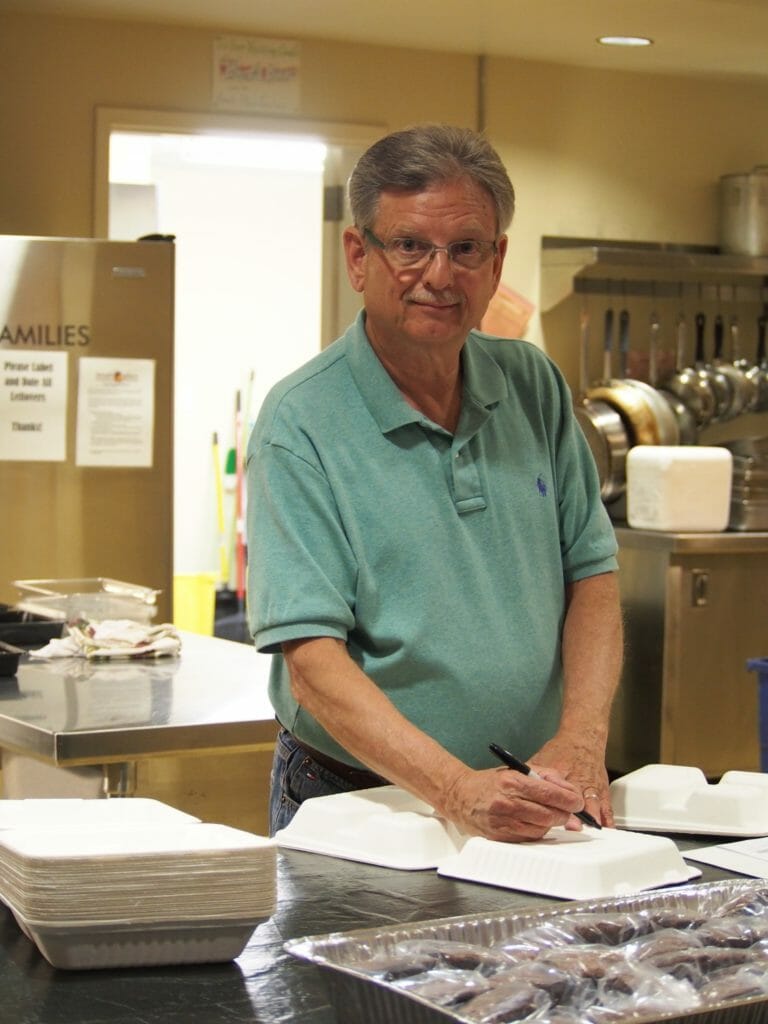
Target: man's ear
(501, 252)
(354, 251)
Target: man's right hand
(511, 807)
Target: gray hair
(424, 155)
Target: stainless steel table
(316, 895)
(71, 712)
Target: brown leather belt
(360, 778)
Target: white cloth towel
(113, 638)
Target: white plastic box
(679, 488)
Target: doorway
(260, 288)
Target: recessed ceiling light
(625, 41)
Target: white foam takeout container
(676, 798)
(389, 827)
(193, 872)
(89, 946)
(384, 826)
(169, 888)
(47, 813)
(590, 864)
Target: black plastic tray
(9, 659)
(24, 629)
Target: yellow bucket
(194, 602)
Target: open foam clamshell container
(678, 798)
(390, 827)
(359, 992)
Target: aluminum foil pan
(360, 993)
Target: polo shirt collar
(484, 381)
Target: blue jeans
(296, 777)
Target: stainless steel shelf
(630, 269)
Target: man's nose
(439, 270)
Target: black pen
(520, 766)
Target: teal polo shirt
(440, 560)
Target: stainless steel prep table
(316, 895)
(71, 712)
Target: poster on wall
(33, 406)
(115, 412)
(256, 74)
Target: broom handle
(239, 544)
(223, 559)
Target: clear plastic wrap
(689, 953)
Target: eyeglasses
(410, 253)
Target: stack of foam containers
(125, 883)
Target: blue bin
(760, 665)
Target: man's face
(437, 304)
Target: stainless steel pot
(744, 212)
(666, 421)
(749, 385)
(758, 374)
(684, 431)
(603, 428)
(737, 385)
(721, 387)
(629, 401)
(687, 430)
(688, 384)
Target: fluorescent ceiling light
(625, 41)
(133, 156)
(263, 153)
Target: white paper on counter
(749, 857)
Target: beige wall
(56, 71)
(618, 156)
(598, 154)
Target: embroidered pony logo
(541, 486)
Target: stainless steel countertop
(69, 711)
(728, 542)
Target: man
(429, 559)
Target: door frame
(109, 119)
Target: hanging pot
(758, 373)
(629, 401)
(603, 429)
(690, 384)
(666, 421)
(687, 430)
(749, 385)
(721, 387)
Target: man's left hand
(582, 763)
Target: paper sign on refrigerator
(33, 406)
(115, 412)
